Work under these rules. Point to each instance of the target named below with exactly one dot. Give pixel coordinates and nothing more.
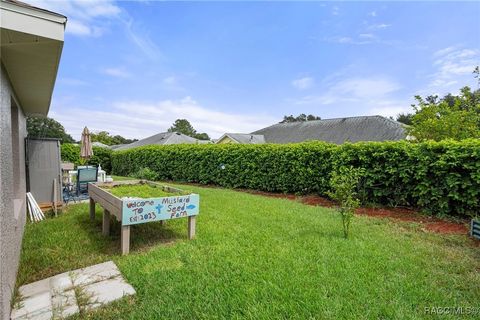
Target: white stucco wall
(12, 192)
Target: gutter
(25, 9)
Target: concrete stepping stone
(68, 293)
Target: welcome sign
(135, 211)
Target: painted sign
(137, 211)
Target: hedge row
(442, 178)
(102, 156)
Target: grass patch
(120, 178)
(139, 191)
(263, 258)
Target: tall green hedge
(442, 178)
(102, 156)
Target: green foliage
(300, 118)
(140, 191)
(102, 156)
(44, 127)
(184, 126)
(344, 185)
(70, 153)
(146, 173)
(442, 178)
(405, 118)
(452, 117)
(105, 138)
(201, 136)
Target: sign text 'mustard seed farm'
(137, 211)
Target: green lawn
(264, 258)
(139, 190)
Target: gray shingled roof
(101, 145)
(246, 138)
(339, 130)
(163, 138)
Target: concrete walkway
(71, 292)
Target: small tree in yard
(343, 184)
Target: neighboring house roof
(116, 146)
(99, 144)
(31, 41)
(338, 130)
(245, 138)
(163, 138)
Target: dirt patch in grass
(429, 223)
(314, 200)
(270, 194)
(447, 227)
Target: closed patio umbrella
(86, 151)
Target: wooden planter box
(130, 211)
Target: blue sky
(132, 68)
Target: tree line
(44, 127)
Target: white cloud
(335, 10)
(303, 83)
(453, 69)
(354, 90)
(373, 14)
(134, 119)
(362, 39)
(72, 82)
(443, 51)
(78, 28)
(142, 41)
(85, 17)
(366, 36)
(390, 108)
(171, 80)
(172, 83)
(374, 95)
(378, 26)
(116, 72)
(93, 18)
(367, 87)
(350, 40)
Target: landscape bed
(141, 201)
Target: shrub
(102, 156)
(70, 153)
(344, 186)
(438, 177)
(146, 173)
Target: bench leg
(125, 239)
(191, 226)
(106, 223)
(92, 209)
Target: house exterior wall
(12, 190)
(226, 140)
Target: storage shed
(44, 176)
